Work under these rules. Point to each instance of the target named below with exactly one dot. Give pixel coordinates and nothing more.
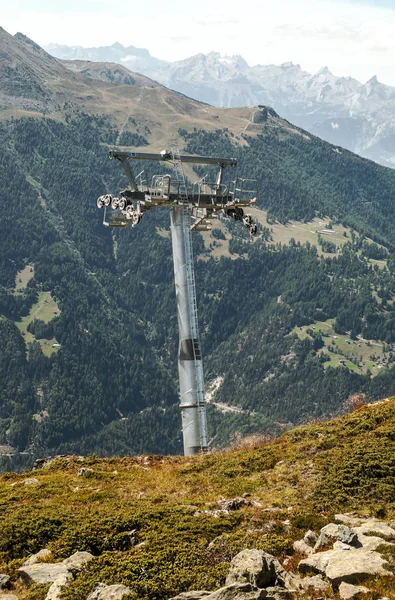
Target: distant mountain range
(341, 110)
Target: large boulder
(351, 566)
(77, 560)
(55, 590)
(44, 573)
(109, 592)
(336, 533)
(41, 556)
(256, 567)
(303, 548)
(371, 542)
(378, 528)
(347, 591)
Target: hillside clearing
(45, 309)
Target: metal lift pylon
(190, 364)
(189, 211)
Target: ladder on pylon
(180, 181)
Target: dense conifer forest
(99, 373)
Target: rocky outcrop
(58, 574)
(255, 567)
(351, 566)
(257, 575)
(336, 533)
(347, 591)
(109, 592)
(43, 573)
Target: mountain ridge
(358, 116)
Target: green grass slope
(296, 482)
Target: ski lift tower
(192, 209)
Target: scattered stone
(350, 566)
(255, 567)
(41, 556)
(302, 547)
(84, 472)
(43, 573)
(310, 538)
(30, 481)
(316, 583)
(233, 504)
(348, 591)
(77, 560)
(4, 581)
(197, 595)
(109, 592)
(332, 533)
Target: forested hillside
(291, 326)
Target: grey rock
(350, 566)
(302, 547)
(256, 567)
(332, 533)
(55, 590)
(77, 560)
(30, 481)
(233, 503)
(237, 591)
(85, 472)
(316, 583)
(194, 595)
(370, 542)
(43, 573)
(278, 593)
(4, 581)
(378, 528)
(310, 538)
(347, 591)
(109, 592)
(39, 557)
(341, 546)
(348, 519)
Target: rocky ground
(309, 515)
(338, 560)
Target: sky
(352, 37)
